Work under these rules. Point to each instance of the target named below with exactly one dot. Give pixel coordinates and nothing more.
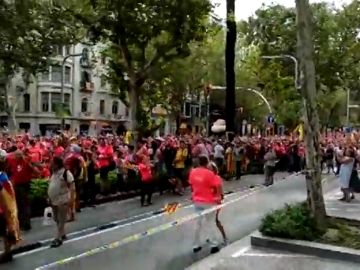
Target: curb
(304, 247)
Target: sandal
(56, 243)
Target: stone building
(93, 107)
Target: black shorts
(2, 226)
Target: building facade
(93, 107)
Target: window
(186, 109)
(126, 112)
(84, 105)
(26, 102)
(45, 76)
(67, 50)
(55, 101)
(102, 106)
(85, 76)
(57, 50)
(67, 100)
(67, 75)
(103, 60)
(115, 107)
(56, 74)
(45, 102)
(102, 81)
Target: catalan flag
(171, 208)
(8, 202)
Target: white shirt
(218, 151)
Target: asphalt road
(167, 245)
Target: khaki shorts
(60, 214)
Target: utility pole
(311, 118)
(230, 66)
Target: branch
(142, 75)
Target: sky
(246, 8)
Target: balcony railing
(87, 86)
(85, 115)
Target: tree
(29, 30)
(311, 118)
(142, 36)
(230, 66)
(273, 30)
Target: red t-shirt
(105, 155)
(20, 170)
(203, 183)
(35, 154)
(145, 172)
(58, 151)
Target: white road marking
(240, 252)
(275, 255)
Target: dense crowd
(72, 163)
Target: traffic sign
(270, 119)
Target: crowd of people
(71, 164)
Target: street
(165, 245)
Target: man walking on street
(206, 190)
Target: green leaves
(31, 28)
(273, 32)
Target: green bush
(38, 189)
(293, 221)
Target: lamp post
(297, 82)
(84, 55)
(256, 92)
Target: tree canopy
(273, 31)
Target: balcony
(86, 115)
(87, 86)
(117, 117)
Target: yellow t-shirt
(181, 155)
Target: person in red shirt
(21, 171)
(206, 190)
(105, 161)
(35, 152)
(58, 150)
(144, 168)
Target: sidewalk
(120, 212)
(241, 256)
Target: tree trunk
(230, 66)
(134, 108)
(311, 117)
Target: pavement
(148, 240)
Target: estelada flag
(9, 203)
(171, 208)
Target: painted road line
(274, 255)
(240, 252)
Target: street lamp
(256, 92)
(84, 54)
(297, 83)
